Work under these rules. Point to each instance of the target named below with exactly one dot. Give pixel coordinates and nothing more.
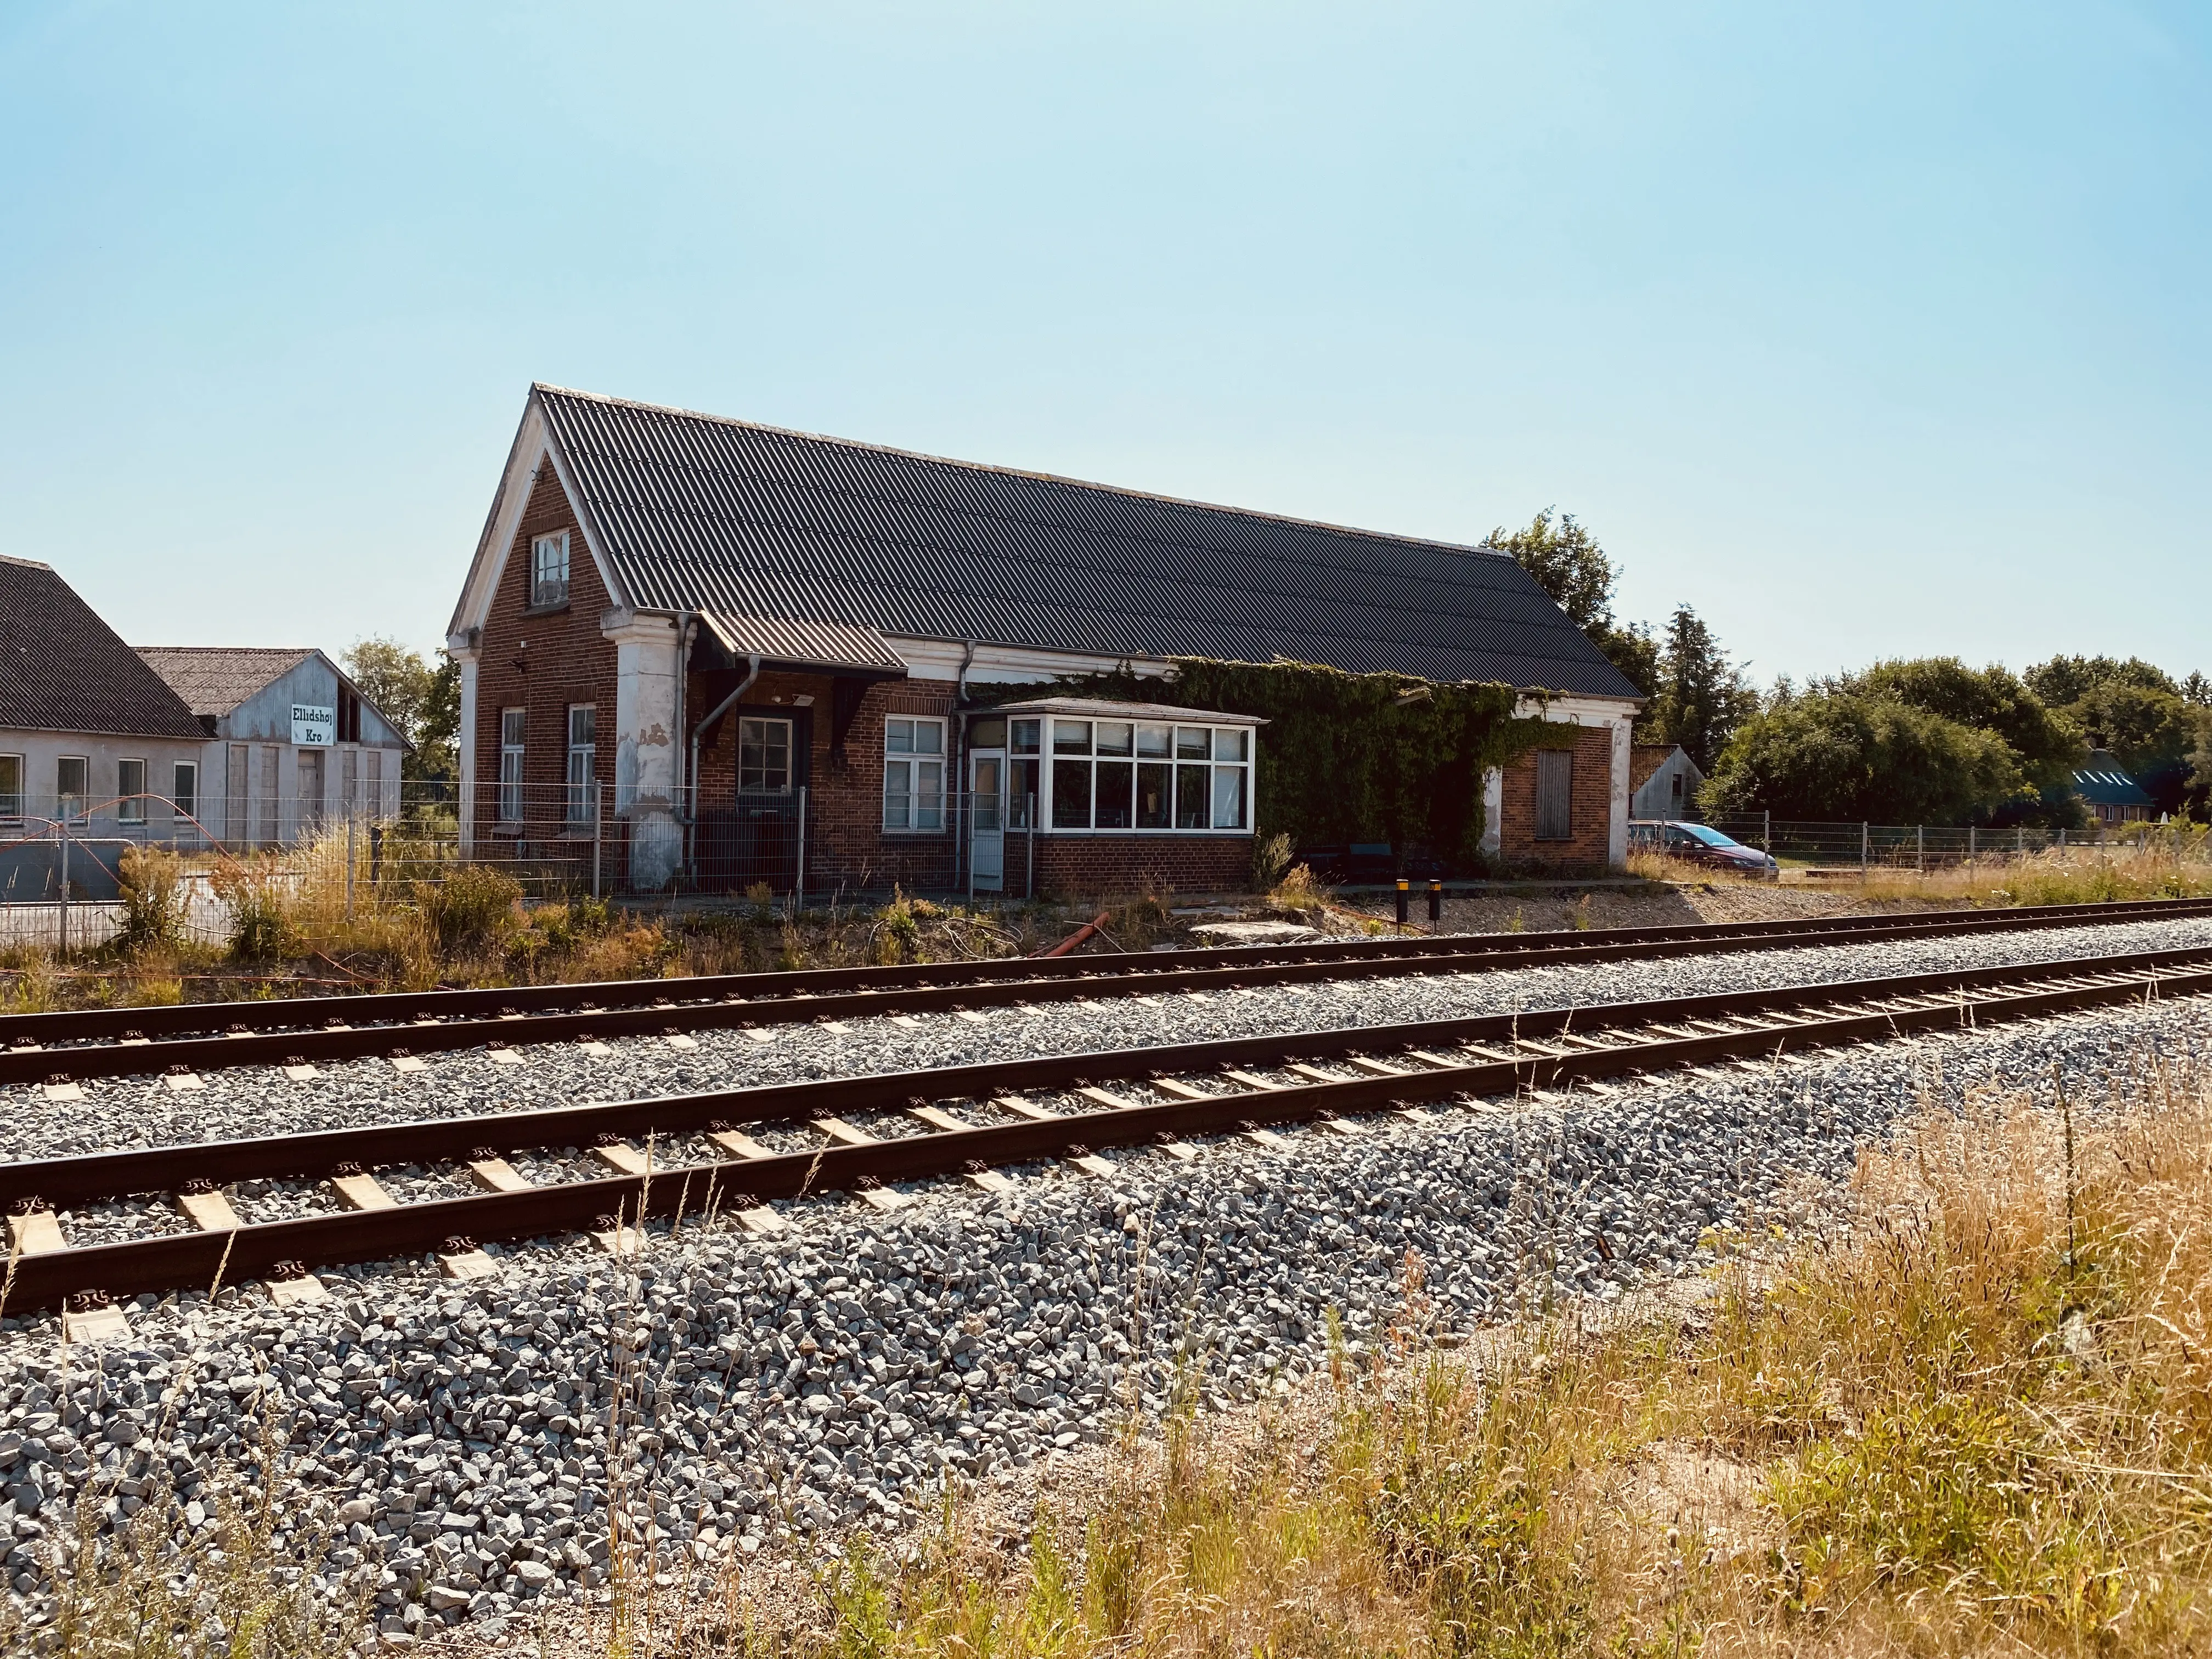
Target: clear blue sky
(1866, 328)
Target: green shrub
(253, 892)
(154, 900)
(474, 905)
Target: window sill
(1148, 835)
(545, 609)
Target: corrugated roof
(2104, 782)
(698, 512)
(798, 643)
(214, 679)
(62, 669)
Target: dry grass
(1976, 1421)
(2176, 865)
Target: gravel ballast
(122, 1112)
(837, 1377)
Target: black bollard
(1404, 886)
(1436, 900)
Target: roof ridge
(1482, 548)
(29, 564)
(267, 650)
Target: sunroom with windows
(1087, 766)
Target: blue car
(1699, 843)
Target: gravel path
(765, 1390)
(261, 1100)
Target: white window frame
(81, 795)
(550, 550)
(912, 803)
(582, 761)
(11, 798)
(513, 748)
(1203, 777)
(185, 790)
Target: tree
(2064, 680)
(2147, 719)
(1698, 696)
(1993, 699)
(1568, 564)
(1826, 755)
(423, 702)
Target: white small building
(1664, 781)
(290, 742)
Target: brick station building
(727, 654)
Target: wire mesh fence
(66, 864)
(1869, 847)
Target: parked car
(1699, 843)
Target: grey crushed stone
(462, 1433)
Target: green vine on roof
(1347, 757)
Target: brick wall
(543, 662)
(1590, 808)
(845, 838)
(1081, 864)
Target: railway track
(859, 1134)
(193, 1038)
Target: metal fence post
(61, 835)
(799, 878)
(1920, 848)
(599, 829)
(1766, 832)
(1029, 886)
(352, 819)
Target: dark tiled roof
(701, 514)
(214, 679)
(62, 669)
(2103, 783)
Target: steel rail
(1646, 1037)
(448, 1020)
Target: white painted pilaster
(645, 748)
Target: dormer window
(549, 569)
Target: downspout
(966, 661)
(699, 731)
(963, 845)
(682, 803)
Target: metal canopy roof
(697, 513)
(790, 642)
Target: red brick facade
(543, 661)
(1590, 808)
(1068, 865)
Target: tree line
(1918, 740)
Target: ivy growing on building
(1347, 757)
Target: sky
(1868, 331)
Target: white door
(987, 819)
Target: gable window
(763, 757)
(184, 789)
(914, 773)
(1555, 791)
(131, 790)
(583, 750)
(11, 787)
(71, 782)
(549, 569)
(348, 716)
(511, 725)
